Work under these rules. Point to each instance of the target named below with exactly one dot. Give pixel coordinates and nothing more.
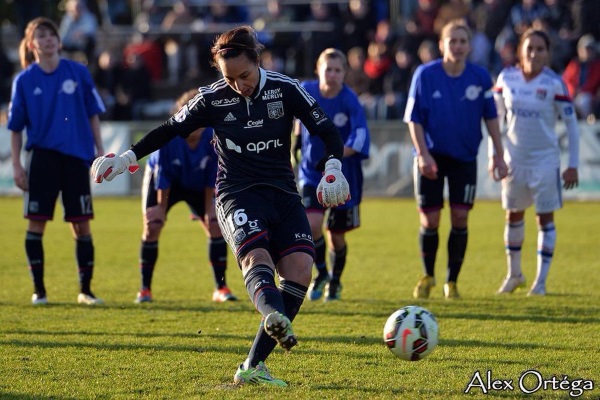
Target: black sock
(148, 257)
(428, 241)
(263, 292)
(457, 246)
(34, 249)
(338, 260)
(85, 262)
(293, 295)
(217, 254)
(320, 252)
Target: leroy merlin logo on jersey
(254, 147)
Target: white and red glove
(333, 190)
(109, 166)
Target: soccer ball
(411, 333)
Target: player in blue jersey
(341, 104)
(260, 213)
(533, 98)
(55, 101)
(183, 170)
(448, 99)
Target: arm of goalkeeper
(333, 190)
(109, 166)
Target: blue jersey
(450, 109)
(55, 108)
(177, 164)
(348, 116)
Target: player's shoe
(450, 291)
(333, 291)
(258, 375)
(423, 287)
(511, 283)
(538, 289)
(315, 290)
(279, 327)
(39, 299)
(222, 295)
(88, 299)
(143, 296)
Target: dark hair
(240, 40)
(25, 54)
(529, 33)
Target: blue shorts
(51, 173)
(264, 217)
(462, 184)
(338, 219)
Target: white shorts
(525, 186)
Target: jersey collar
(261, 82)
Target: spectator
(450, 10)
(133, 90)
(396, 83)
(6, 72)
(420, 27)
(78, 30)
(582, 77)
(359, 23)
(427, 51)
(489, 17)
(377, 64)
(151, 52)
(106, 78)
(118, 12)
(181, 51)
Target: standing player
(341, 104)
(56, 101)
(260, 212)
(183, 170)
(448, 98)
(532, 97)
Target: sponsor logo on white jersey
(229, 117)
(225, 102)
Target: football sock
(148, 257)
(457, 245)
(293, 295)
(320, 251)
(84, 249)
(428, 241)
(514, 234)
(34, 250)
(262, 290)
(546, 243)
(338, 260)
(217, 253)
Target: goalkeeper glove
(109, 166)
(333, 190)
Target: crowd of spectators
(167, 42)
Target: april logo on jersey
(472, 92)
(69, 86)
(541, 94)
(275, 110)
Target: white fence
(388, 172)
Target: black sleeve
(154, 140)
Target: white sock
(546, 243)
(514, 234)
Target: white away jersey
(531, 109)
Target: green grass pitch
(184, 346)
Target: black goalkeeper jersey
(252, 135)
